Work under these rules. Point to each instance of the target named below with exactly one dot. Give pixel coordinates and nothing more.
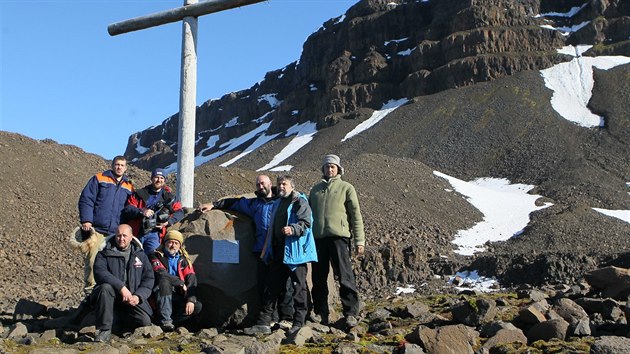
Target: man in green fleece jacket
(337, 222)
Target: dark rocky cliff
(382, 49)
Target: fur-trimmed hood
(96, 239)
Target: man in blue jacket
(289, 246)
(103, 198)
(100, 206)
(260, 209)
(124, 278)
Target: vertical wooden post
(188, 14)
(187, 111)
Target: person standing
(100, 205)
(260, 209)
(151, 210)
(176, 282)
(289, 246)
(124, 281)
(337, 221)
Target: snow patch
(506, 208)
(210, 143)
(572, 84)
(271, 99)
(565, 31)
(139, 148)
(409, 289)
(472, 280)
(395, 41)
(232, 122)
(623, 215)
(376, 117)
(263, 117)
(304, 134)
(572, 12)
(282, 168)
(407, 52)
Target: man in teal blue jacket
(289, 246)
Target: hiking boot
(284, 324)
(351, 321)
(104, 335)
(257, 329)
(322, 319)
(294, 329)
(168, 327)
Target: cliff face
(383, 49)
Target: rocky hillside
(478, 107)
(381, 50)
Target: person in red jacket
(151, 210)
(176, 282)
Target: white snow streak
(376, 117)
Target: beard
(263, 192)
(171, 252)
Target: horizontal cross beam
(177, 14)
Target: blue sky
(64, 78)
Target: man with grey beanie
(337, 222)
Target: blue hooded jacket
(300, 247)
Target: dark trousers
(334, 251)
(283, 310)
(108, 304)
(278, 276)
(171, 304)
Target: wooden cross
(188, 84)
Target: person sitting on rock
(151, 210)
(176, 282)
(124, 281)
(288, 247)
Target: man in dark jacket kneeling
(176, 282)
(124, 280)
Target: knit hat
(158, 172)
(330, 158)
(174, 235)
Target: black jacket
(110, 268)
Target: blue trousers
(171, 304)
(150, 242)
